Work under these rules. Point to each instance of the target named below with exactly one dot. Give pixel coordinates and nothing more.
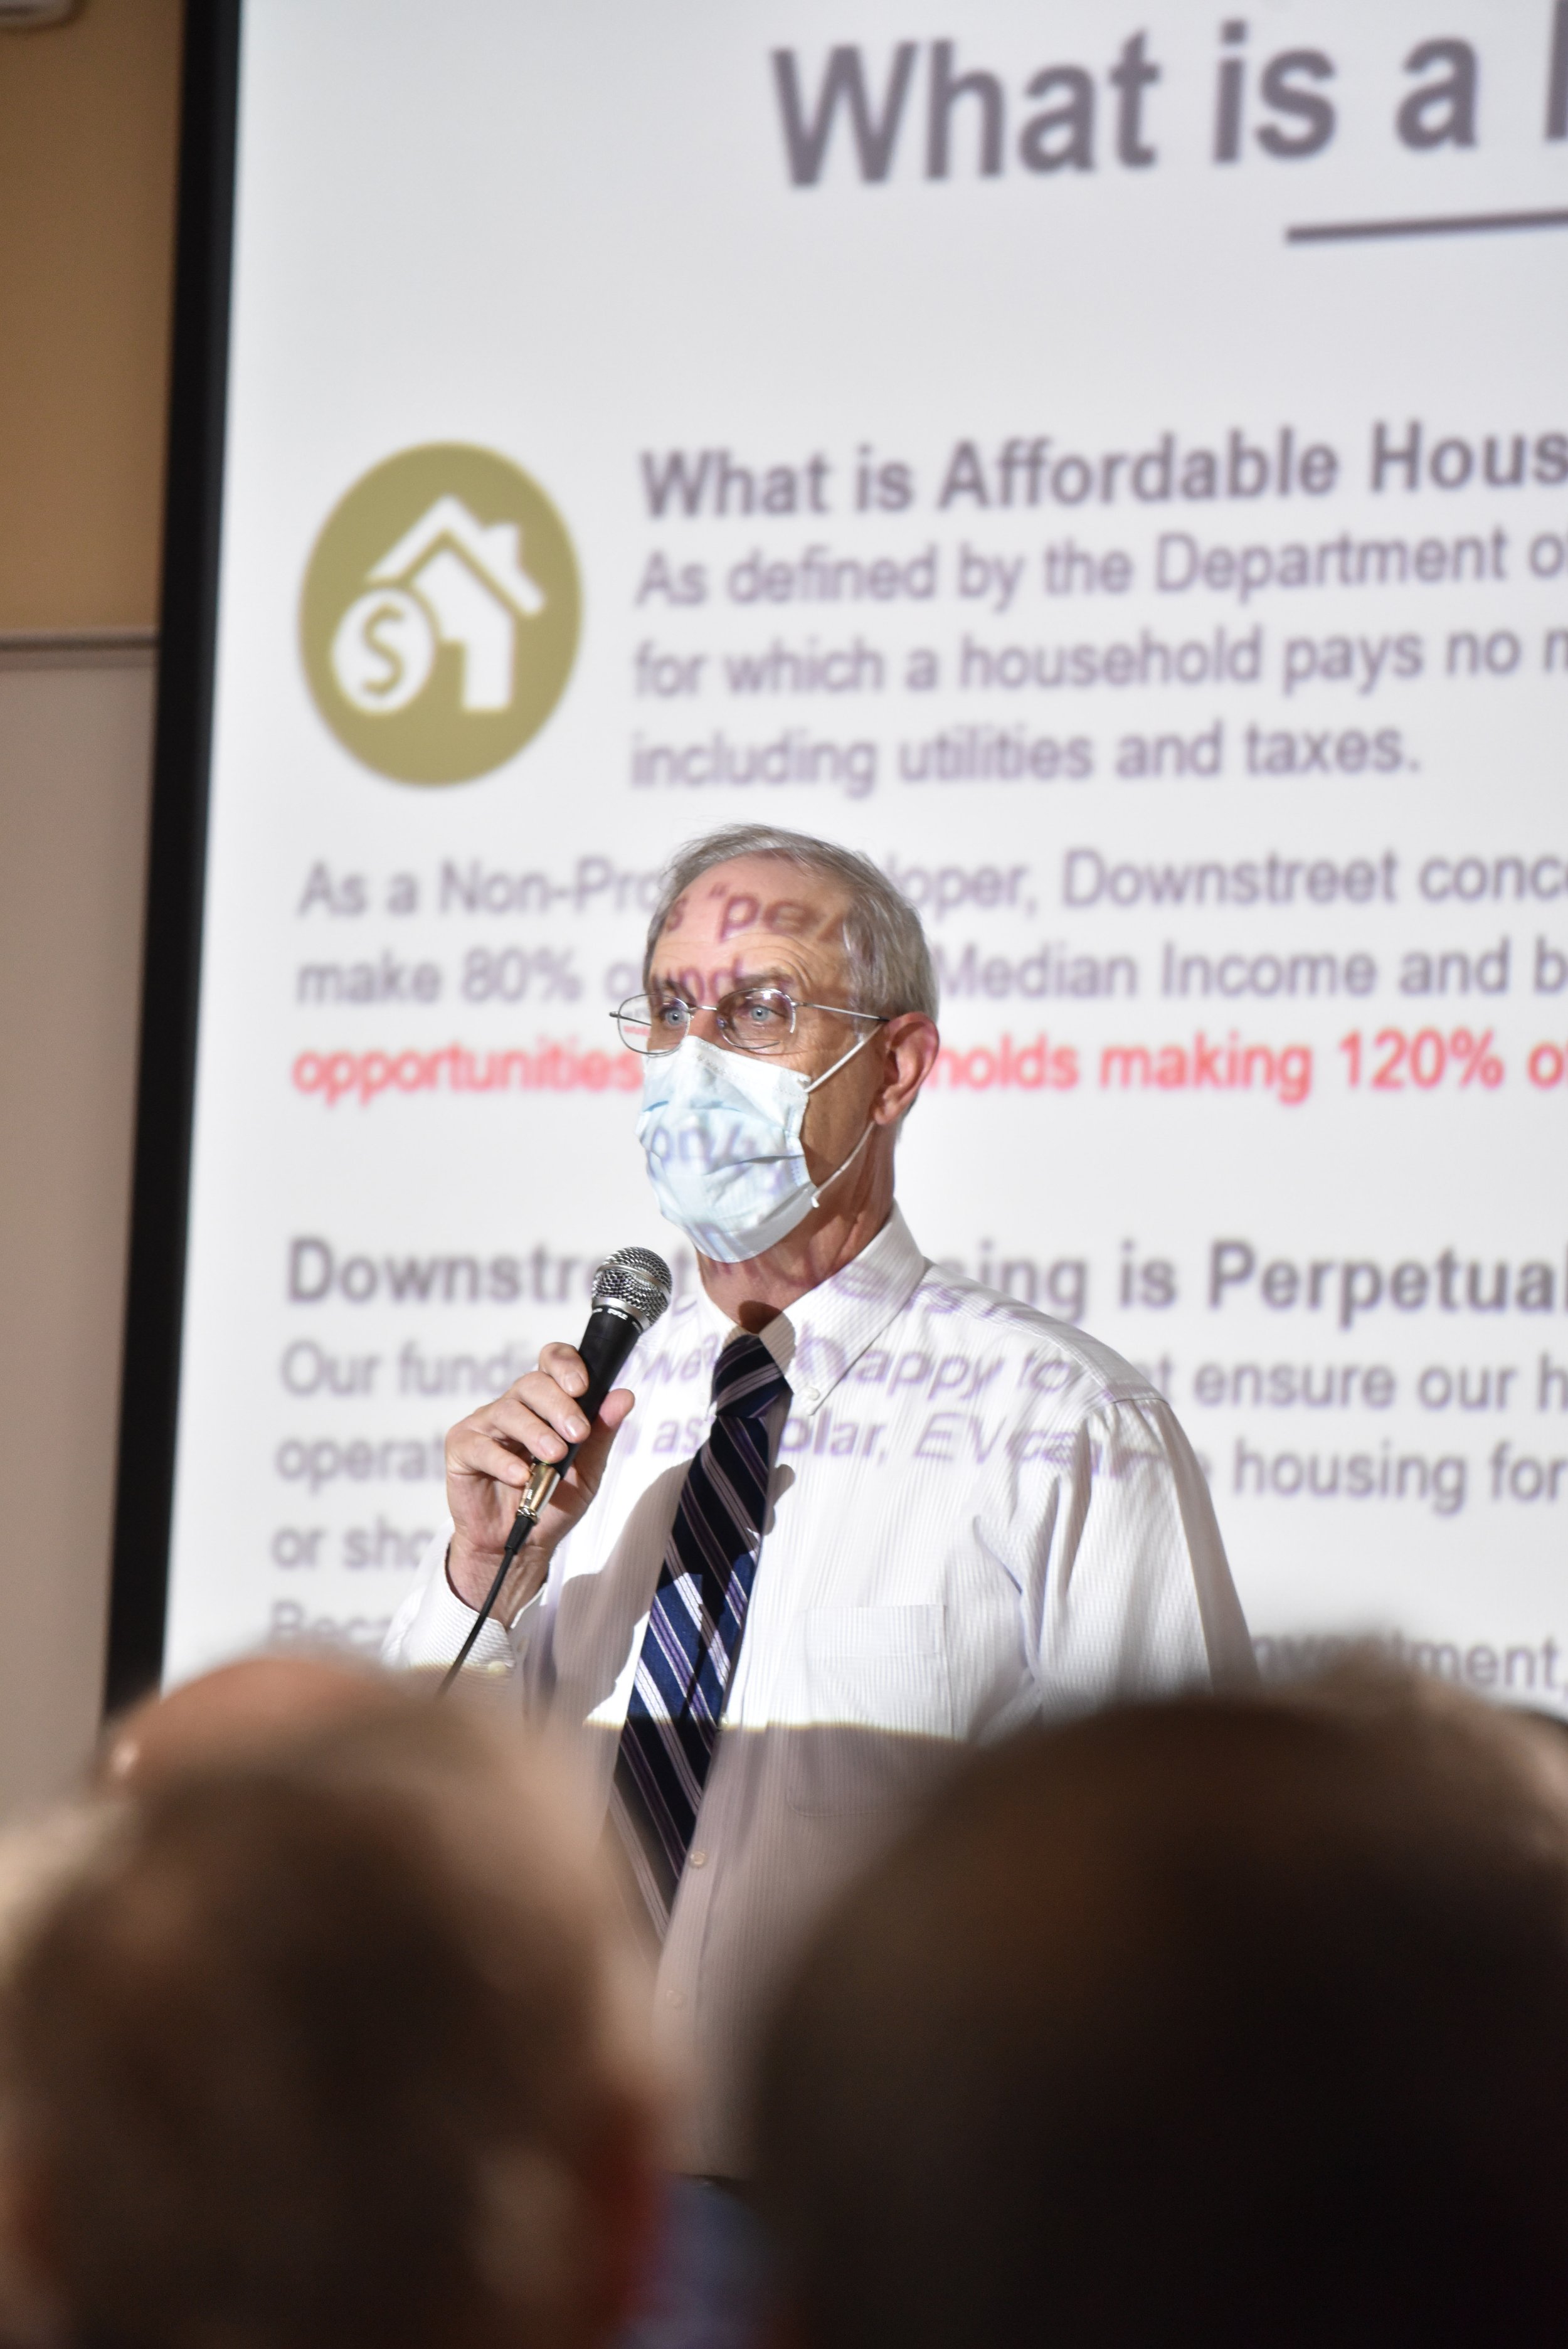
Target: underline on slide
(1448, 225)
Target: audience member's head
(321, 2040)
(244, 1708)
(1235, 2023)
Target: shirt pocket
(879, 1707)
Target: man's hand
(490, 1458)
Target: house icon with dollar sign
(439, 614)
(450, 580)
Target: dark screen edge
(172, 962)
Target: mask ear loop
(817, 1193)
(859, 1045)
(849, 1056)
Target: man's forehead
(755, 901)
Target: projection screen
(1111, 468)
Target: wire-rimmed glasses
(750, 1019)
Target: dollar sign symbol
(383, 651)
(382, 615)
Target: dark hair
(309, 2053)
(1230, 2022)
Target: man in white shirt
(870, 1513)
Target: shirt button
(810, 1397)
(698, 1859)
(675, 1998)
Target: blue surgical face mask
(722, 1135)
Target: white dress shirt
(977, 1516)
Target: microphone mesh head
(636, 1281)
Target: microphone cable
(523, 1525)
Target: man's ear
(910, 1045)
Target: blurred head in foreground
(1231, 2023)
(321, 2042)
(251, 1707)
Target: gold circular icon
(440, 617)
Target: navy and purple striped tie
(694, 1627)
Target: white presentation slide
(1112, 468)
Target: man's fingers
(545, 1422)
(481, 1455)
(543, 1395)
(565, 1365)
(536, 1419)
(477, 1444)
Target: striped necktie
(694, 1627)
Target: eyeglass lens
(752, 1018)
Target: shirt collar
(824, 1334)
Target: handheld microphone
(631, 1290)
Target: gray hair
(888, 961)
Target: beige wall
(73, 825)
(88, 141)
(88, 157)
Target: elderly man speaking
(875, 1512)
